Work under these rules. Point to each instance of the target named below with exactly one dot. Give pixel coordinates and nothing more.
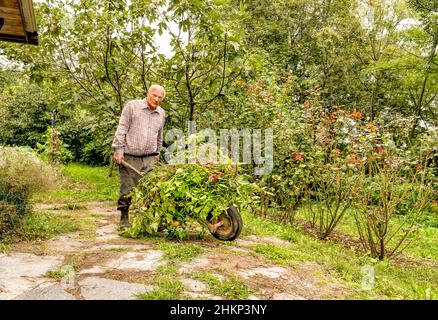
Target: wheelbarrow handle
(127, 165)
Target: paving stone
(139, 261)
(269, 240)
(270, 272)
(108, 232)
(195, 264)
(130, 247)
(245, 243)
(65, 243)
(203, 296)
(194, 285)
(287, 296)
(95, 288)
(108, 229)
(20, 272)
(46, 292)
(103, 211)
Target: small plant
(58, 273)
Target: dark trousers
(129, 178)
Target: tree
(207, 56)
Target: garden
(312, 123)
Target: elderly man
(138, 141)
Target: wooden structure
(17, 21)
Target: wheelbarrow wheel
(227, 226)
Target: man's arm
(120, 137)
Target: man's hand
(157, 158)
(118, 158)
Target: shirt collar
(146, 106)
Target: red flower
(214, 177)
(380, 149)
(299, 156)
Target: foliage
(21, 175)
(207, 55)
(53, 150)
(174, 195)
(24, 114)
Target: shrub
(328, 199)
(21, 174)
(381, 193)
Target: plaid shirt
(140, 130)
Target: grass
(80, 183)
(167, 271)
(232, 289)
(60, 272)
(391, 281)
(177, 253)
(277, 254)
(167, 288)
(423, 241)
(45, 225)
(4, 247)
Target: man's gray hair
(157, 87)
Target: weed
(233, 289)
(168, 289)
(57, 273)
(167, 270)
(179, 252)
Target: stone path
(104, 266)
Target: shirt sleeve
(122, 129)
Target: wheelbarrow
(227, 226)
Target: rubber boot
(124, 219)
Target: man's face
(154, 98)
